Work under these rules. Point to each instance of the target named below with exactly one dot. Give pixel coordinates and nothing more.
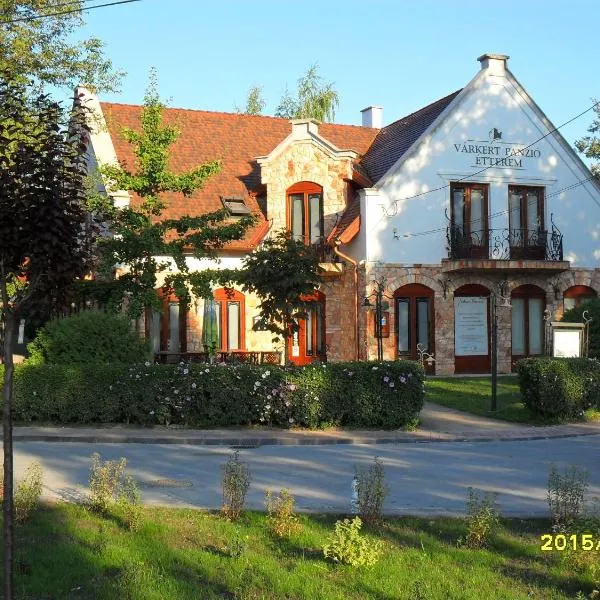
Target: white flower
(386, 378)
(374, 368)
(207, 370)
(109, 387)
(268, 396)
(176, 391)
(151, 412)
(291, 387)
(262, 418)
(287, 402)
(147, 363)
(185, 371)
(267, 406)
(257, 384)
(194, 385)
(188, 398)
(391, 384)
(402, 379)
(291, 420)
(35, 393)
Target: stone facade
(434, 277)
(306, 157)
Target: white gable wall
(461, 143)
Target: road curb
(236, 442)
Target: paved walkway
(427, 479)
(438, 424)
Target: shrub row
(383, 395)
(560, 388)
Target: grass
(66, 553)
(473, 394)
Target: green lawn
(67, 553)
(473, 394)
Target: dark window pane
(309, 333)
(314, 210)
(320, 328)
(297, 212)
(423, 323)
(403, 323)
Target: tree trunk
(8, 509)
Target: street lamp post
(494, 297)
(378, 294)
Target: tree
(575, 315)
(255, 103)
(43, 49)
(282, 272)
(140, 233)
(315, 99)
(42, 229)
(590, 145)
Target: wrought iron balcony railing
(322, 248)
(505, 244)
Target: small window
(236, 206)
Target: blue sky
(398, 54)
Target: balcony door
(305, 212)
(469, 214)
(527, 235)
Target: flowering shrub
(560, 388)
(215, 395)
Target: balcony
(329, 262)
(514, 249)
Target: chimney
(494, 63)
(372, 116)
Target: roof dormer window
(236, 206)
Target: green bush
(90, 336)
(560, 388)
(383, 395)
(349, 547)
(575, 315)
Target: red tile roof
(235, 139)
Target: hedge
(89, 336)
(384, 395)
(560, 388)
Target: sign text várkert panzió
(496, 153)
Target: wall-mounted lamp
(445, 282)
(556, 288)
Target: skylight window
(236, 206)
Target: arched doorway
(472, 329)
(414, 320)
(307, 345)
(528, 303)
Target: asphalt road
(424, 478)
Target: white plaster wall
(489, 101)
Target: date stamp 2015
(576, 541)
